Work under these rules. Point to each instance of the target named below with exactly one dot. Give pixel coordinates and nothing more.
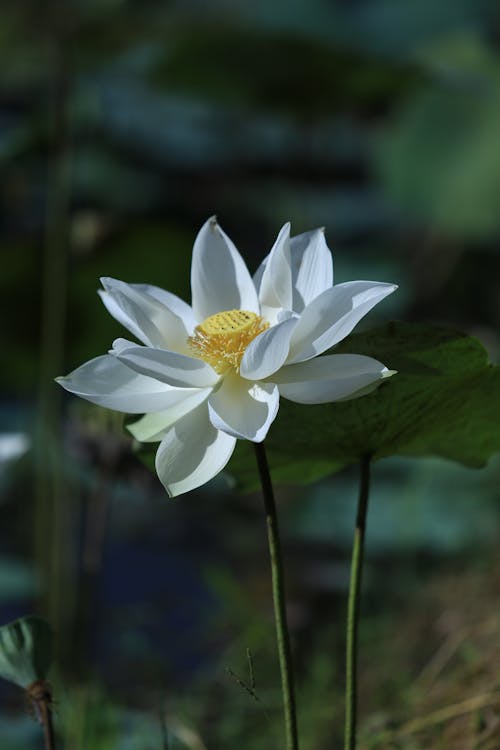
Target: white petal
(257, 277)
(119, 345)
(172, 302)
(243, 409)
(266, 353)
(108, 382)
(312, 267)
(220, 279)
(334, 377)
(176, 370)
(135, 310)
(275, 291)
(331, 317)
(124, 316)
(152, 427)
(192, 452)
(154, 322)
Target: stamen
(222, 338)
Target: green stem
(278, 581)
(353, 607)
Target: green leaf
(25, 650)
(444, 401)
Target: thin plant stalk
(51, 505)
(39, 696)
(278, 584)
(351, 688)
(48, 732)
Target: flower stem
(39, 695)
(353, 607)
(278, 581)
(48, 732)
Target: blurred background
(123, 126)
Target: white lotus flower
(208, 374)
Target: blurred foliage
(16, 579)
(432, 507)
(377, 119)
(439, 683)
(439, 156)
(268, 70)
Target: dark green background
(378, 119)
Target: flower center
(222, 338)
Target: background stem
(278, 582)
(353, 606)
(52, 509)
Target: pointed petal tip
(107, 282)
(110, 281)
(171, 494)
(388, 373)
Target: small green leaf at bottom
(25, 650)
